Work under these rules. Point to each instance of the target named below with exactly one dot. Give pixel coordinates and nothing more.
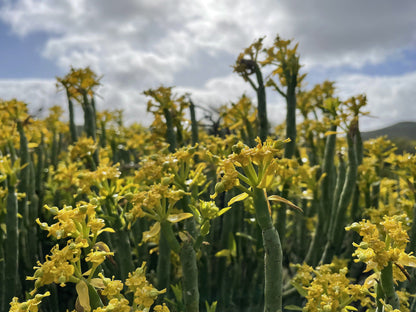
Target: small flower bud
(166, 180)
(83, 208)
(219, 187)
(129, 196)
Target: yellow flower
(79, 81)
(98, 256)
(144, 293)
(327, 288)
(80, 221)
(264, 156)
(112, 288)
(161, 308)
(84, 147)
(58, 267)
(115, 305)
(30, 305)
(383, 244)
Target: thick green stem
(24, 174)
(2, 282)
(327, 170)
(347, 191)
(189, 262)
(123, 253)
(337, 232)
(342, 170)
(33, 215)
(281, 215)
(72, 126)
(89, 118)
(411, 246)
(167, 232)
(272, 254)
(190, 277)
(90, 123)
(170, 131)
(11, 248)
(194, 123)
(54, 150)
(103, 136)
(261, 105)
(163, 263)
(313, 155)
(290, 121)
(317, 245)
(387, 283)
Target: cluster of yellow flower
(328, 289)
(65, 265)
(383, 243)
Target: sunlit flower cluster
(144, 292)
(60, 266)
(31, 305)
(84, 148)
(328, 289)
(79, 222)
(259, 165)
(79, 81)
(383, 244)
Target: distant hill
(401, 130)
(403, 134)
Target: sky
(364, 46)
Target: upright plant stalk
(72, 126)
(261, 105)
(281, 215)
(89, 117)
(190, 276)
(40, 171)
(2, 282)
(194, 123)
(120, 242)
(318, 242)
(23, 185)
(54, 150)
(328, 169)
(33, 215)
(26, 264)
(170, 131)
(290, 147)
(90, 121)
(359, 149)
(187, 256)
(272, 254)
(11, 248)
(103, 136)
(163, 266)
(165, 240)
(189, 262)
(387, 285)
(335, 234)
(123, 254)
(341, 176)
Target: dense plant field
(220, 213)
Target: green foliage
(206, 211)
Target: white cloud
(138, 45)
(39, 93)
(334, 33)
(390, 99)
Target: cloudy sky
(364, 46)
